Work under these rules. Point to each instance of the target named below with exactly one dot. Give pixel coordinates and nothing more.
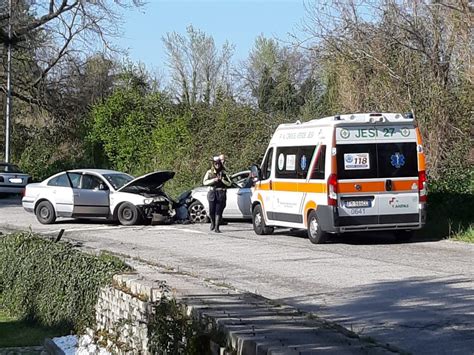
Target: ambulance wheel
(258, 221)
(403, 236)
(315, 234)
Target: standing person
(218, 180)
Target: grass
(466, 235)
(18, 333)
(450, 215)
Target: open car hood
(149, 183)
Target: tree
(273, 75)
(47, 36)
(199, 71)
(398, 56)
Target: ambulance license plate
(357, 203)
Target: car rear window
(377, 160)
(9, 168)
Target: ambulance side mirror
(255, 173)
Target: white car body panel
(238, 204)
(81, 202)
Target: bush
(52, 284)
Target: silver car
(12, 179)
(238, 200)
(85, 193)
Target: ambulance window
(319, 165)
(397, 160)
(287, 163)
(356, 161)
(304, 158)
(267, 165)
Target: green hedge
(50, 283)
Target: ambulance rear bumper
(331, 222)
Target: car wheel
(128, 214)
(403, 236)
(197, 213)
(258, 222)
(315, 234)
(45, 213)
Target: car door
(265, 186)
(238, 197)
(61, 195)
(91, 197)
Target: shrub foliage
(52, 283)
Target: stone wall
(122, 316)
(245, 323)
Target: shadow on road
(92, 221)
(9, 200)
(359, 238)
(432, 316)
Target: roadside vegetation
(98, 110)
(48, 288)
(18, 333)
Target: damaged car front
(147, 195)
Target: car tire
(45, 213)
(403, 236)
(197, 213)
(315, 234)
(258, 222)
(128, 214)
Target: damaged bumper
(157, 210)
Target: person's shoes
(213, 226)
(218, 222)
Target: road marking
(176, 229)
(149, 228)
(77, 229)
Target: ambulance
(344, 173)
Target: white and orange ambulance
(345, 173)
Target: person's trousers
(217, 202)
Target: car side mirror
(255, 172)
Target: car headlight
(147, 201)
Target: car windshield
(118, 180)
(9, 168)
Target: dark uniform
(218, 180)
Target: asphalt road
(417, 296)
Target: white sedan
(238, 200)
(85, 193)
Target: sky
(238, 21)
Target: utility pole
(9, 85)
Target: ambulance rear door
(377, 175)
(397, 162)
